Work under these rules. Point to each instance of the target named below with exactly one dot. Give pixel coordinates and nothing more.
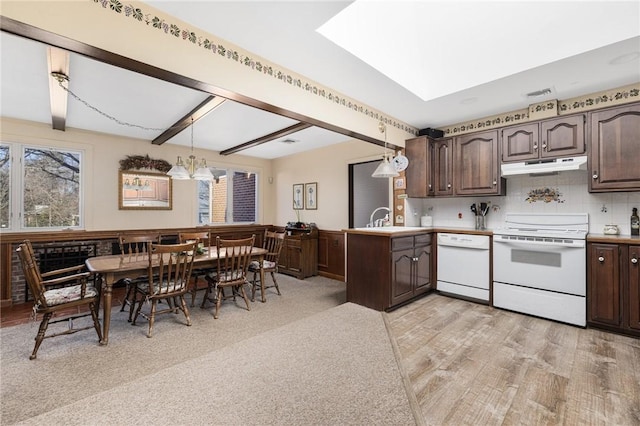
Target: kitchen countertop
(406, 230)
(613, 239)
(389, 230)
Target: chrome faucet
(378, 222)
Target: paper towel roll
(426, 221)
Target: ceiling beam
(204, 108)
(266, 138)
(34, 33)
(58, 63)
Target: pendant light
(192, 169)
(385, 169)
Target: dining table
(111, 268)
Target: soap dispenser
(635, 222)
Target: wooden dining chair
(234, 257)
(58, 291)
(273, 242)
(203, 238)
(168, 275)
(133, 247)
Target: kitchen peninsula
(388, 266)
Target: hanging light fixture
(191, 169)
(385, 169)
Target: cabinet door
(562, 136)
(422, 269)
(476, 162)
(294, 255)
(520, 143)
(419, 171)
(604, 284)
(633, 295)
(614, 149)
(401, 276)
(443, 167)
(291, 256)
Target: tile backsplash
(566, 192)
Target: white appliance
(544, 166)
(463, 265)
(539, 265)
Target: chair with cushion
(203, 240)
(59, 292)
(234, 257)
(168, 278)
(273, 242)
(134, 246)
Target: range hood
(550, 166)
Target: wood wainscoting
(331, 246)
(13, 288)
(331, 255)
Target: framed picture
(311, 196)
(399, 183)
(144, 191)
(298, 196)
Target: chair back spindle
(175, 262)
(32, 272)
(234, 257)
(203, 239)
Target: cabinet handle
(535, 147)
(595, 175)
(601, 259)
(495, 182)
(429, 186)
(449, 186)
(634, 260)
(544, 146)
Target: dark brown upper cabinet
(476, 165)
(615, 149)
(419, 172)
(553, 138)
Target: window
(5, 186)
(48, 185)
(228, 200)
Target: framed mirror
(144, 191)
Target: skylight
(435, 48)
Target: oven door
(545, 263)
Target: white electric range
(539, 265)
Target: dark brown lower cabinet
(386, 270)
(614, 287)
(299, 255)
(411, 267)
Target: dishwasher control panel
(464, 240)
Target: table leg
(107, 289)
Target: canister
(426, 221)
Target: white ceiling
(285, 33)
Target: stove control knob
(601, 259)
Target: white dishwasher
(463, 265)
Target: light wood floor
(470, 364)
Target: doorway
(366, 193)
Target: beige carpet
(303, 358)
